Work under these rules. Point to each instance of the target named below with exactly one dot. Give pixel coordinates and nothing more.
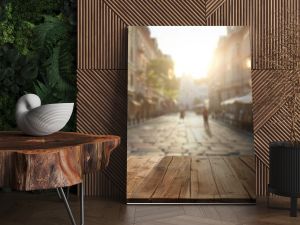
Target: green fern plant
(17, 73)
(53, 42)
(57, 74)
(37, 54)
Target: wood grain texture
(190, 179)
(229, 12)
(176, 181)
(245, 174)
(19, 207)
(147, 188)
(227, 181)
(102, 109)
(203, 183)
(138, 168)
(102, 50)
(249, 161)
(56, 160)
(159, 13)
(102, 37)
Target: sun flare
(193, 64)
(191, 47)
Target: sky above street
(191, 47)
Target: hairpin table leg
(81, 203)
(62, 195)
(67, 191)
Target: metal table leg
(62, 195)
(67, 193)
(81, 204)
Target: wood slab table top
(57, 160)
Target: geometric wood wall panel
(102, 37)
(102, 69)
(267, 16)
(160, 12)
(275, 126)
(264, 107)
(101, 102)
(275, 129)
(271, 119)
(102, 109)
(229, 12)
(262, 177)
(262, 16)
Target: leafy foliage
(7, 119)
(53, 43)
(17, 73)
(33, 10)
(160, 76)
(38, 49)
(56, 61)
(14, 31)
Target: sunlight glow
(191, 47)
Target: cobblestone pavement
(168, 135)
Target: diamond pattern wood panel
(102, 69)
(160, 12)
(102, 109)
(102, 37)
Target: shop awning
(135, 103)
(246, 99)
(150, 102)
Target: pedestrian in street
(182, 114)
(205, 116)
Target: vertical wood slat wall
(102, 70)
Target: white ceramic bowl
(40, 120)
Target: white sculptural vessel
(39, 120)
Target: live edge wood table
(52, 162)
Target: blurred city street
(189, 120)
(168, 135)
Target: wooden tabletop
(57, 160)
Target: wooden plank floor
(46, 209)
(191, 179)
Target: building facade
(143, 100)
(229, 76)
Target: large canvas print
(190, 115)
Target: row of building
(229, 83)
(228, 80)
(144, 101)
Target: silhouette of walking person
(205, 116)
(182, 114)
